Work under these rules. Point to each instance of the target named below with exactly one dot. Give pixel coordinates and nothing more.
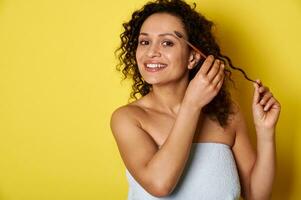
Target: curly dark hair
(199, 31)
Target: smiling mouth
(153, 67)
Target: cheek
(180, 59)
(139, 52)
(139, 60)
(138, 56)
(185, 58)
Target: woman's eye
(167, 43)
(143, 42)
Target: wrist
(265, 134)
(191, 106)
(264, 129)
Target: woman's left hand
(266, 108)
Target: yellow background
(58, 88)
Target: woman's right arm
(158, 170)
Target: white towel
(210, 174)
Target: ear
(194, 58)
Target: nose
(154, 51)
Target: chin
(152, 82)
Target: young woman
(184, 138)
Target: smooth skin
(154, 134)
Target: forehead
(162, 22)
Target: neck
(168, 98)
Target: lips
(154, 67)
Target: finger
(265, 98)
(206, 65)
(256, 95)
(220, 83)
(269, 104)
(263, 89)
(219, 76)
(214, 70)
(258, 82)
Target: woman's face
(161, 56)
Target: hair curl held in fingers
(199, 31)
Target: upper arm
(243, 150)
(135, 145)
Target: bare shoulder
(237, 116)
(128, 113)
(239, 125)
(126, 124)
(127, 117)
(235, 119)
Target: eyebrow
(162, 34)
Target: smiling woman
(161, 51)
(185, 138)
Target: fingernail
(256, 85)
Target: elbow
(160, 193)
(156, 185)
(160, 190)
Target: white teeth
(155, 65)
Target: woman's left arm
(257, 169)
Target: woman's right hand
(206, 83)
